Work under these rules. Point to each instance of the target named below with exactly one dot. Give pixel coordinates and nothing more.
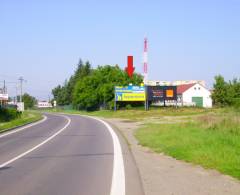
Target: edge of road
(36, 146)
(118, 186)
(127, 157)
(125, 142)
(22, 127)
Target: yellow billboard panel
(133, 97)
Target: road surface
(67, 155)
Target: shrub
(128, 106)
(7, 114)
(236, 102)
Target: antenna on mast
(145, 61)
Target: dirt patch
(165, 175)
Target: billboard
(3, 96)
(161, 93)
(130, 93)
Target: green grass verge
(137, 114)
(26, 117)
(212, 141)
(208, 137)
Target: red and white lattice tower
(145, 61)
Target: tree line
(226, 93)
(91, 89)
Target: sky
(44, 40)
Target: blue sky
(43, 40)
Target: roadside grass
(207, 137)
(139, 114)
(211, 140)
(27, 117)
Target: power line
(8, 82)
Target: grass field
(139, 114)
(208, 137)
(211, 140)
(26, 117)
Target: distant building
(179, 82)
(44, 104)
(3, 97)
(194, 94)
(185, 82)
(158, 83)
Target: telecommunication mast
(145, 61)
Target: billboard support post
(115, 101)
(115, 105)
(146, 105)
(145, 102)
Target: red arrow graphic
(130, 69)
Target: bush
(236, 102)
(7, 114)
(128, 106)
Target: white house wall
(197, 91)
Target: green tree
(29, 101)
(58, 94)
(226, 93)
(85, 95)
(234, 90)
(64, 94)
(97, 89)
(220, 91)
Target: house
(44, 104)
(194, 94)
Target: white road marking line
(37, 146)
(24, 127)
(118, 177)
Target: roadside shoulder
(166, 175)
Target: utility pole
(16, 98)
(21, 83)
(4, 87)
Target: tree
(220, 91)
(226, 93)
(29, 101)
(97, 89)
(90, 88)
(64, 94)
(235, 91)
(85, 95)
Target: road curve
(62, 155)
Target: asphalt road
(67, 155)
